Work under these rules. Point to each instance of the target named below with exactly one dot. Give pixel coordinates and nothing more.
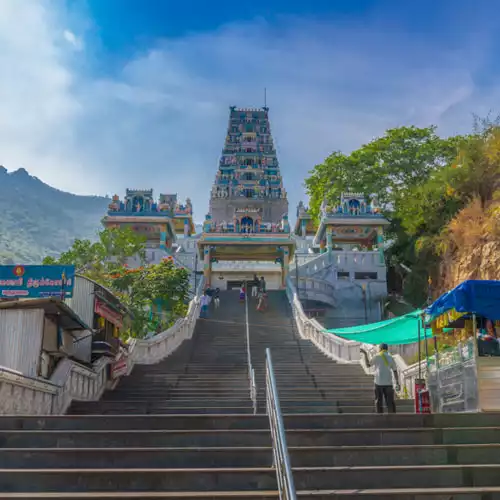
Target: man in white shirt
(383, 366)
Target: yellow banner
(448, 317)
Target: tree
(156, 295)
(387, 168)
(409, 171)
(110, 253)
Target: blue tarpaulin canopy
(400, 330)
(480, 297)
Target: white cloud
(160, 120)
(73, 40)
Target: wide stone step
(488, 493)
(185, 495)
(199, 398)
(345, 456)
(146, 422)
(173, 480)
(135, 439)
(469, 421)
(178, 403)
(138, 458)
(230, 479)
(382, 437)
(208, 457)
(159, 410)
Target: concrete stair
(183, 429)
(207, 374)
(229, 456)
(308, 381)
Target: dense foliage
(156, 295)
(421, 182)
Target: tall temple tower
(248, 216)
(248, 184)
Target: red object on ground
(422, 397)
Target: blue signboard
(36, 281)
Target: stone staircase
(183, 429)
(308, 381)
(207, 374)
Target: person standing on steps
(204, 301)
(255, 286)
(262, 285)
(217, 298)
(383, 366)
(242, 292)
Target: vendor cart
(466, 378)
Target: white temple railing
(313, 264)
(315, 289)
(346, 351)
(72, 381)
(341, 350)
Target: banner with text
(36, 281)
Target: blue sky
(100, 95)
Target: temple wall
(223, 209)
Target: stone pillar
(285, 266)
(207, 265)
(329, 241)
(380, 244)
(163, 237)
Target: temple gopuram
(248, 216)
(338, 259)
(159, 220)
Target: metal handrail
(284, 476)
(251, 371)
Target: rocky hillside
(471, 245)
(37, 220)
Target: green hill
(38, 220)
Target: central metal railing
(251, 371)
(281, 458)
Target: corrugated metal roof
(69, 319)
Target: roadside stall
(466, 378)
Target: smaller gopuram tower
(145, 215)
(352, 224)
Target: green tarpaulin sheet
(400, 330)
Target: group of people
(209, 295)
(258, 288)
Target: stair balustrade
(281, 457)
(251, 371)
(73, 381)
(341, 350)
(346, 351)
